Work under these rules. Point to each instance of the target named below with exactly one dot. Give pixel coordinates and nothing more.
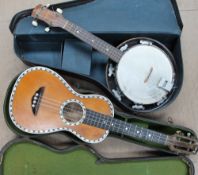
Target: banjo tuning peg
(48, 5)
(34, 23)
(47, 29)
(59, 10)
(189, 134)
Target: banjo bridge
(36, 99)
(149, 75)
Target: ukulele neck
(124, 128)
(97, 43)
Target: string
(177, 143)
(55, 104)
(77, 111)
(112, 52)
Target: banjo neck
(124, 128)
(94, 41)
(56, 20)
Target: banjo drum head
(145, 74)
(141, 73)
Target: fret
(144, 134)
(73, 27)
(141, 133)
(104, 123)
(99, 122)
(126, 128)
(147, 135)
(108, 122)
(156, 136)
(135, 131)
(139, 130)
(115, 128)
(130, 127)
(88, 121)
(112, 126)
(151, 136)
(111, 120)
(70, 26)
(94, 121)
(121, 127)
(120, 124)
(159, 138)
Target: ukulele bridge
(36, 99)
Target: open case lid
(113, 21)
(43, 159)
(111, 17)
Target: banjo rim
(170, 56)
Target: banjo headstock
(52, 18)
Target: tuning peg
(59, 10)
(188, 134)
(178, 132)
(48, 5)
(34, 23)
(47, 29)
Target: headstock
(183, 144)
(52, 18)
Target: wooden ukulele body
(51, 92)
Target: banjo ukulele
(42, 102)
(141, 72)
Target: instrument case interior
(113, 21)
(36, 156)
(16, 158)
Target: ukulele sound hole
(72, 113)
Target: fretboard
(121, 127)
(97, 43)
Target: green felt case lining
(33, 158)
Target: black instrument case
(113, 21)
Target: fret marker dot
(92, 41)
(126, 128)
(138, 132)
(77, 31)
(107, 49)
(112, 124)
(149, 135)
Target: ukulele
(141, 72)
(42, 102)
